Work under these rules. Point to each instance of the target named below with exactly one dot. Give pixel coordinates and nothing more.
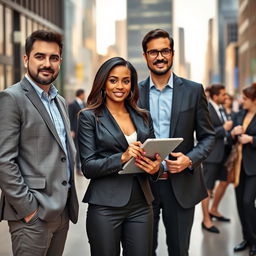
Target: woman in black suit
(245, 133)
(110, 132)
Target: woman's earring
(103, 93)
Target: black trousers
(131, 225)
(177, 220)
(246, 200)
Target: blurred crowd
(232, 160)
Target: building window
(29, 27)
(9, 75)
(8, 32)
(1, 29)
(1, 77)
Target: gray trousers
(38, 237)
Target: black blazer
(217, 153)
(101, 144)
(189, 115)
(249, 150)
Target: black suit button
(63, 159)
(64, 183)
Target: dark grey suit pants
(38, 237)
(177, 220)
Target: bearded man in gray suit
(37, 154)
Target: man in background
(73, 110)
(213, 167)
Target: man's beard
(38, 80)
(163, 72)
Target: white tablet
(152, 146)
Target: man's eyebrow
(39, 53)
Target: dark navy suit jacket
(189, 114)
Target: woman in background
(110, 132)
(245, 133)
(228, 106)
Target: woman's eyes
(126, 81)
(114, 81)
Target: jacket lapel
(176, 102)
(108, 121)
(33, 97)
(139, 124)
(144, 95)
(252, 124)
(61, 108)
(213, 112)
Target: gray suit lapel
(33, 97)
(176, 102)
(61, 108)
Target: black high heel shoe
(211, 229)
(219, 218)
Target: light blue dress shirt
(53, 111)
(160, 108)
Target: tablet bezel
(162, 146)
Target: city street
(202, 242)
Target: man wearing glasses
(179, 109)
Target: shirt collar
(169, 83)
(41, 93)
(80, 102)
(215, 105)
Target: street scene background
(214, 42)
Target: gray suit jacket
(189, 115)
(33, 164)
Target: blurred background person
(213, 166)
(207, 92)
(228, 106)
(244, 132)
(73, 110)
(110, 132)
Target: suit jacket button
(64, 183)
(63, 159)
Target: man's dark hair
(79, 92)
(43, 35)
(154, 34)
(215, 89)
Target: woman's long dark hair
(97, 97)
(250, 92)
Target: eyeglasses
(166, 52)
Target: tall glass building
(143, 16)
